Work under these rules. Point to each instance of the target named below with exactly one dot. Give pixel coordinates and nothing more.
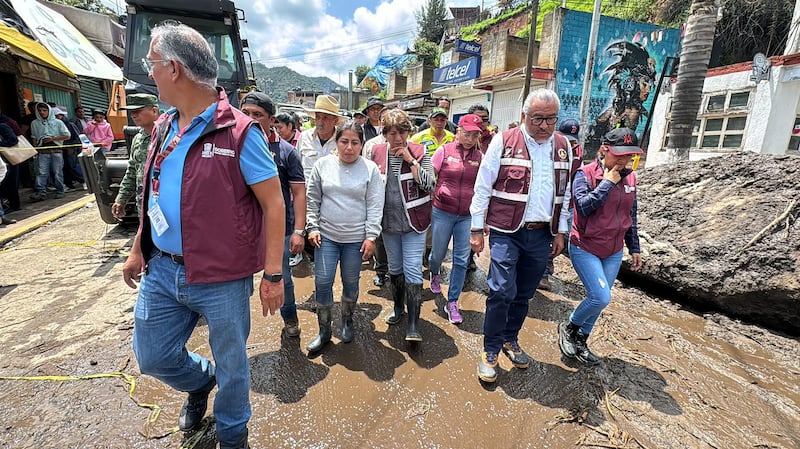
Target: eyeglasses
(148, 64)
(485, 119)
(539, 120)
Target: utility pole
(587, 76)
(531, 42)
(350, 90)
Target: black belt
(530, 225)
(175, 258)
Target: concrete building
(739, 112)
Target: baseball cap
(138, 101)
(622, 142)
(570, 129)
(470, 122)
(261, 100)
(437, 111)
(372, 101)
(58, 111)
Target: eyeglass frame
(148, 64)
(537, 121)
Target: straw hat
(327, 105)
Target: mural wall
(628, 62)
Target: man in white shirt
(318, 141)
(522, 184)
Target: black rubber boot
(324, 336)
(348, 306)
(414, 300)
(398, 289)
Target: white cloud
(314, 43)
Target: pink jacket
(100, 134)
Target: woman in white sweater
(345, 207)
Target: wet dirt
(670, 378)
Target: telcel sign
(465, 70)
(468, 48)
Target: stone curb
(29, 224)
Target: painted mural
(628, 61)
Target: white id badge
(157, 219)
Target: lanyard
(155, 185)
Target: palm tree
(695, 54)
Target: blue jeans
(165, 315)
(47, 163)
(289, 308)
(404, 254)
(445, 225)
(598, 277)
(517, 264)
(326, 258)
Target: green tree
(361, 72)
(427, 52)
(431, 20)
(89, 5)
(695, 54)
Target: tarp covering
(65, 42)
(378, 77)
(30, 49)
(106, 34)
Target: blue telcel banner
(461, 71)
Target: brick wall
(512, 25)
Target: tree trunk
(695, 54)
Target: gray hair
(541, 94)
(184, 45)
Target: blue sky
(328, 37)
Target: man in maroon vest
(212, 215)
(522, 184)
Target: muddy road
(670, 378)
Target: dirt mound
(722, 232)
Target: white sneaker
(84, 186)
(295, 259)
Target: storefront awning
(65, 42)
(106, 34)
(27, 48)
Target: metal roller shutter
(50, 95)
(93, 94)
(506, 108)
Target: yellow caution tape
(51, 147)
(155, 409)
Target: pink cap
(470, 122)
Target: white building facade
(738, 113)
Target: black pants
(9, 188)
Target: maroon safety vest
(510, 191)
(602, 232)
(416, 201)
(455, 182)
(217, 247)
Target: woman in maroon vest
(604, 218)
(409, 178)
(456, 165)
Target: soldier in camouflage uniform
(144, 112)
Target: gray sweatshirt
(345, 201)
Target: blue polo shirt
(255, 160)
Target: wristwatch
(274, 278)
(301, 232)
